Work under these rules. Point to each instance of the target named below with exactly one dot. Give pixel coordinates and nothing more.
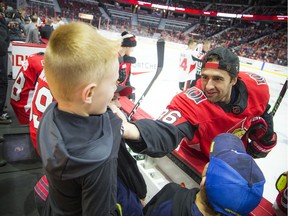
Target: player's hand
(258, 128)
(260, 148)
(260, 143)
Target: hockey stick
(280, 97)
(160, 56)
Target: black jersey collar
(239, 99)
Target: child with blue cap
(232, 184)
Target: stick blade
(160, 52)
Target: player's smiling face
(217, 85)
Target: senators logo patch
(239, 132)
(259, 79)
(196, 95)
(240, 128)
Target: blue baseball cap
(234, 182)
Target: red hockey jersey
(41, 99)
(210, 119)
(124, 73)
(24, 85)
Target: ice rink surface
(166, 86)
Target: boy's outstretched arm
(131, 132)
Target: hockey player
(191, 63)
(125, 60)
(24, 85)
(187, 64)
(201, 50)
(232, 184)
(219, 102)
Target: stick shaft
(160, 56)
(280, 97)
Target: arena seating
(179, 27)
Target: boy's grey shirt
(79, 156)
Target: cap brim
(224, 142)
(124, 90)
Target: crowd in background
(263, 41)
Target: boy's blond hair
(77, 55)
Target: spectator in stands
(39, 21)
(59, 22)
(223, 100)
(15, 24)
(94, 185)
(94, 149)
(46, 30)
(125, 59)
(27, 21)
(131, 186)
(22, 15)
(232, 184)
(4, 44)
(97, 153)
(54, 23)
(32, 31)
(280, 205)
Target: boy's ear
(87, 93)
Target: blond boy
(78, 137)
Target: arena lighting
(282, 17)
(247, 16)
(172, 8)
(147, 4)
(179, 9)
(163, 7)
(205, 13)
(227, 15)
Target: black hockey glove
(129, 59)
(260, 141)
